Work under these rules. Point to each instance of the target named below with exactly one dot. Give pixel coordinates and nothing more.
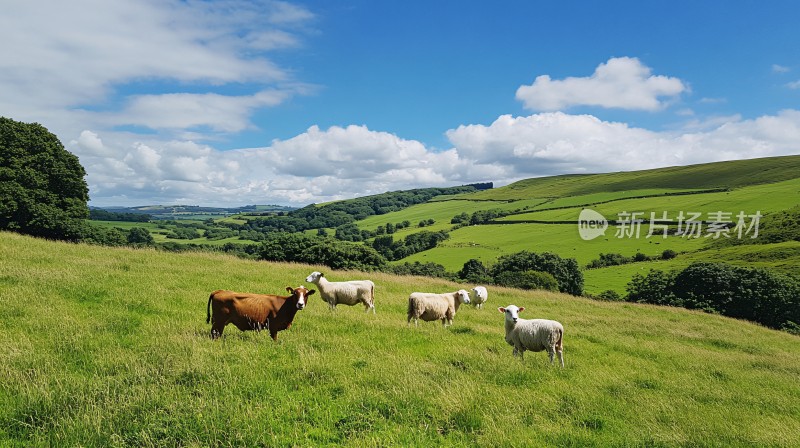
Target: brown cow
(254, 311)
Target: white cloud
(780, 68)
(321, 165)
(794, 85)
(619, 83)
(62, 57)
(556, 143)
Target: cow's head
(301, 294)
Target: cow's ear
(289, 290)
(311, 292)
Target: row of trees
(758, 295)
(611, 259)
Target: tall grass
(109, 347)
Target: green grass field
(764, 198)
(488, 242)
(109, 347)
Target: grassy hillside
(760, 185)
(109, 347)
(730, 174)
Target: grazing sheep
(532, 334)
(430, 306)
(346, 293)
(478, 296)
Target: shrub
(609, 295)
(527, 280)
(474, 271)
(565, 271)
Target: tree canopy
(42, 188)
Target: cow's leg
(274, 335)
(216, 330)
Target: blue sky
(235, 102)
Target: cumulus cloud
(322, 165)
(623, 83)
(556, 143)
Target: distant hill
(183, 211)
(729, 174)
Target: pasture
(109, 347)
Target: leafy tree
(609, 295)
(754, 294)
(656, 287)
(668, 254)
(474, 271)
(527, 280)
(348, 232)
(461, 218)
(302, 248)
(140, 236)
(565, 271)
(42, 190)
(423, 269)
(94, 234)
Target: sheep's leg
(560, 356)
(550, 353)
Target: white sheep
(346, 293)
(478, 296)
(431, 306)
(532, 334)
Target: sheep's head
(463, 296)
(314, 277)
(511, 312)
(301, 293)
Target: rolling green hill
(729, 174)
(109, 347)
(544, 214)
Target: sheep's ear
(501, 309)
(289, 290)
(521, 309)
(321, 274)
